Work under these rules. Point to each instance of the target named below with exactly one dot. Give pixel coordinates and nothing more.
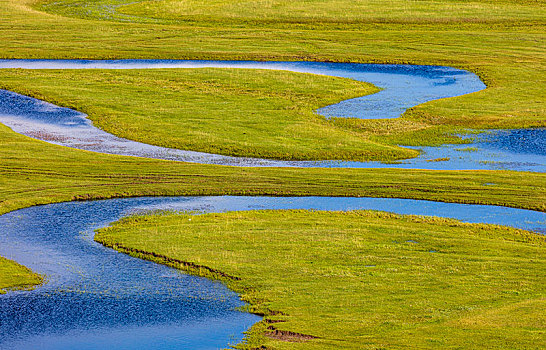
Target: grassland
(15, 276)
(284, 12)
(359, 280)
(252, 113)
(503, 41)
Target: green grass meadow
(359, 280)
(502, 41)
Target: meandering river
(403, 86)
(97, 298)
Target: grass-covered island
(15, 276)
(357, 280)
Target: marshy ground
(427, 282)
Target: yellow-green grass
(252, 113)
(15, 276)
(237, 112)
(35, 172)
(359, 280)
(505, 46)
(502, 41)
(283, 12)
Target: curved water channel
(97, 298)
(403, 86)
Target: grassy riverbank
(250, 113)
(34, 172)
(15, 276)
(359, 279)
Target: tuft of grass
(358, 280)
(444, 159)
(466, 149)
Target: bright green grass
(507, 53)
(504, 43)
(15, 276)
(238, 112)
(362, 279)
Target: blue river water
(96, 298)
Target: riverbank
(357, 279)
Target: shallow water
(403, 86)
(516, 149)
(96, 298)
